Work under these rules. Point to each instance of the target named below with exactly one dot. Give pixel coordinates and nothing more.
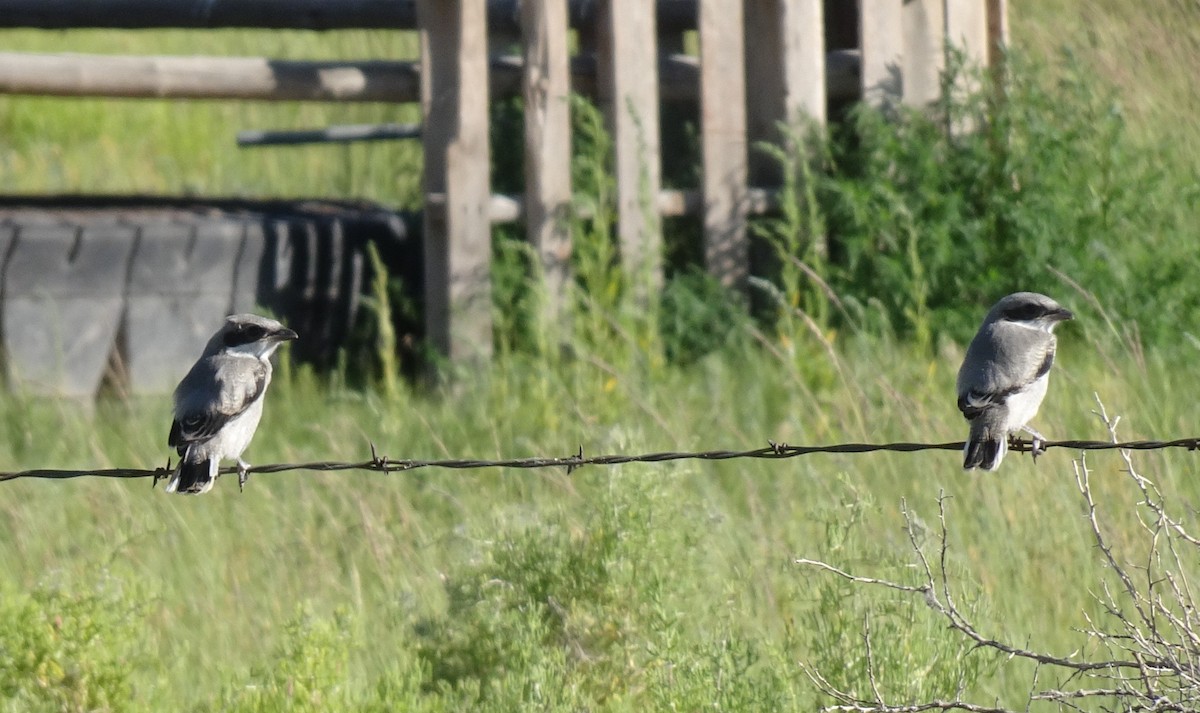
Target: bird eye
(244, 334)
(1025, 313)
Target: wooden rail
(759, 64)
(262, 79)
(503, 16)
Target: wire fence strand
(773, 451)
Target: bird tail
(193, 477)
(987, 444)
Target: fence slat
(967, 28)
(262, 79)
(282, 14)
(723, 140)
(967, 31)
(924, 56)
(457, 228)
(179, 291)
(997, 19)
(788, 38)
(627, 85)
(882, 51)
(548, 143)
(63, 298)
(206, 77)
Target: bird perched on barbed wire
(220, 401)
(1004, 375)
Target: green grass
(618, 588)
(1145, 50)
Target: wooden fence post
(882, 47)
(967, 29)
(454, 103)
(723, 140)
(924, 23)
(967, 32)
(785, 74)
(627, 85)
(997, 12)
(548, 145)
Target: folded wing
(211, 396)
(996, 391)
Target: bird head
(250, 334)
(1029, 309)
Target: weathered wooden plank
(63, 297)
(924, 56)
(967, 32)
(180, 289)
(723, 141)
(627, 86)
(457, 234)
(548, 144)
(997, 11)
(262, 79)
(206, 77)
(967, 29)
(882, 43)
(276, 14)
(250, 269)
(786, 75)
(283, 14)
(997, 19)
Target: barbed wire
(773, 451)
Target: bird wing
(214, 392)
(1015, 363)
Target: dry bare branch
(1147, 645)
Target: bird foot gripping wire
(161, 474)
(243, 474)
(1037, 443)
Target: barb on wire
(773, 451)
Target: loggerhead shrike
(219, 402)
(1004, 375)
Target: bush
(61, 651)
(308, 672)
(925, 223)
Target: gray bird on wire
(1005, 373)
(220, 401)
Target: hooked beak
(1062, 314)
(285, 335)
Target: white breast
(1023, 405)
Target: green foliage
(594, 249)
(63, 651)
(698, 317)
(309, 671)
(797, 237)
(923, 220)
(912, 655)
(550, 598)
(380, 305)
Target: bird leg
(1039, 442)
(243, 476)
